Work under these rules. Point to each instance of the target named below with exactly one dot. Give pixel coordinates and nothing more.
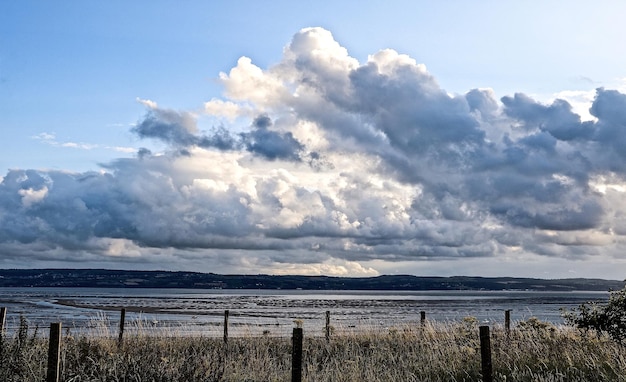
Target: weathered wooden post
(485, 353)
(422, 318)
(327, 325)
(296, 355)
(507, 322)
(3, 318)
(122, 319)
(54, 350)
(226, 313)
(3, 314)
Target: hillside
(103, 278)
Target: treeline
(105, 278)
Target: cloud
(227, 109)
(340, 166)
(30, 196)
(270, 144)
(557, 118)
(147, 103)
(50, 139)
(175, 128)
(179, 130)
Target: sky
(352, 138)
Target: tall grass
(533, 351)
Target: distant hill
(104, 278)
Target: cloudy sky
(361, 138)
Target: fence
(54, 348)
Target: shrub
(609, 318)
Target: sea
(271, 312)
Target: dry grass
(436, 352)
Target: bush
(609, 318)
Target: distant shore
(106, 278)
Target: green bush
(609, 318)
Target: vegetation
(609, 318)
(532, 351)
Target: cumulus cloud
(341, 164)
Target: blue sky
(394, 137)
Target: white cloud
(50, 139)
(31, 196)
(46, 137)
(247, 82)
(147, 103)
(330, 268)
(121, 149)
(227, 109)
(76, 145)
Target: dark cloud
(172, 127)
(143, 152)
(609, 107)
(413, 113)
(179, 129)
(270, 144)
(557, 118)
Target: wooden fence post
(3, 314)
(422, 318)
(485, 354)
(122, 320)
(327, 325)
(296, 355)
(507, 321)
(54, 349)
(226, 313)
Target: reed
(435, 351)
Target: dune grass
(435, 352)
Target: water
(252, 312)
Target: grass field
(533, 351)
